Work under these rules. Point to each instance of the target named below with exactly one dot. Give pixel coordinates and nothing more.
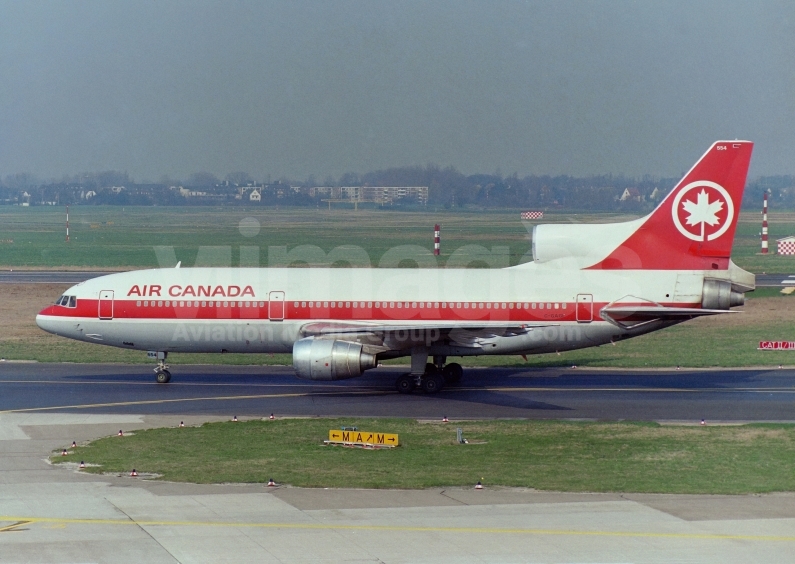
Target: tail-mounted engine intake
(326, 359)
(718, 294)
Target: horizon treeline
(447, 188)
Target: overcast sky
(297, 88)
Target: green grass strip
(546, 455)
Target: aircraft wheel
(405, 384)
(452, 373)
(432, 383)
(431, 368)
(163, 376)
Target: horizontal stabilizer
(628, 316)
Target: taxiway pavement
(548, 393)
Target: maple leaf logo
(713, 217)
(702, 211)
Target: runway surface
(73, 277)
(685, 395)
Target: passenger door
(584, 308)
(106, 304)
(276, 306)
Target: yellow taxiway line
(18, 521)
(175, 400)
(386, 391)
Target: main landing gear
(162, 375)
(431, 377)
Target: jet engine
(327, 359)
(718, 294)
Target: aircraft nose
(46, 311)
(46, 321)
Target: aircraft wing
(460, 333)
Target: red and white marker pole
(764, 225)
(67, 224)
(436, 240)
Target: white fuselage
(267, 309)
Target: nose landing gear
(162, 375)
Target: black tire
(431, 368)
(432, 383)
(452, 373)
(405, 384)
(163, 376)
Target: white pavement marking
(10, 423)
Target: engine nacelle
(718, 294)
(327, 359)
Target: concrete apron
(56, 514)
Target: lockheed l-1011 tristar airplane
(587, 285)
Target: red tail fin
(693, 228)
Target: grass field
(546, 455)
(125, 238)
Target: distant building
(255, 196)
(390, 194)
(316, 191)
(632, 194)
(382, 195)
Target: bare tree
(203, 179)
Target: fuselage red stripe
(338, 310)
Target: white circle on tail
(706, 215)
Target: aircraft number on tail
(703, 210)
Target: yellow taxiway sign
(336, 436)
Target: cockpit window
(67, 301)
